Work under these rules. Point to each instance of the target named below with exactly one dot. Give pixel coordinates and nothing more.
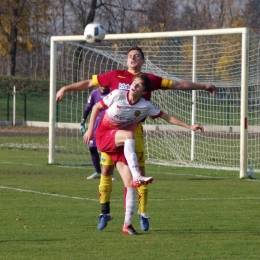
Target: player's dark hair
(147, 83)
(136, 48)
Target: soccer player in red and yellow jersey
(121, 79)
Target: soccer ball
(94, 33)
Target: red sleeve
(156, 81)
(154, 117)
(106, 79)
(156, 84)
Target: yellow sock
(105, 188)
(142, 192)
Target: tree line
(27, 25)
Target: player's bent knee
(107, 170)
(129, 135)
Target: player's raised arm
(89, 134)
(175, 121)
(187, 85)
(78, 86)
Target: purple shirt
(94, 97)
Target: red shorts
(106, 143)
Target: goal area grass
(51, 212)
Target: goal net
(227, 58)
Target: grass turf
(50, 212)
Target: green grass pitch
(50, 212)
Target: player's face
(103, 89)
(137, 88)
(135, 61)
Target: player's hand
(82, 129)
(197, 127)
(88, 136)
(210, 88)
(60, 94)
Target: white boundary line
(45, 193)
(169, 173)
(88, 199)
(30, 164)
(192, 175)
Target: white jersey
(122, 114)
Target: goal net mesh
(218, 61)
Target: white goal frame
(174, 34)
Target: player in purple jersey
(94, 97)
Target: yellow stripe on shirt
(95, 81)
(166, 83)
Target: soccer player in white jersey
(115, 135)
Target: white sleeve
(111, 98)
(153, 111)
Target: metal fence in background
(29, 106)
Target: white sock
(129, 205)
(131, 158)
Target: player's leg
(96, 163)
(105, 189)
(142, 191)
(95, 155)
(126, 139)
(129, 199)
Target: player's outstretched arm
(175, 121)
(78, 86)
(187, 85)
(90, 132)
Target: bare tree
(251, 15)
(15, 27)
(26, 30)
(210, 14)
(11, 12)
(158, 15)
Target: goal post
(217, 56)
(244, 103)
